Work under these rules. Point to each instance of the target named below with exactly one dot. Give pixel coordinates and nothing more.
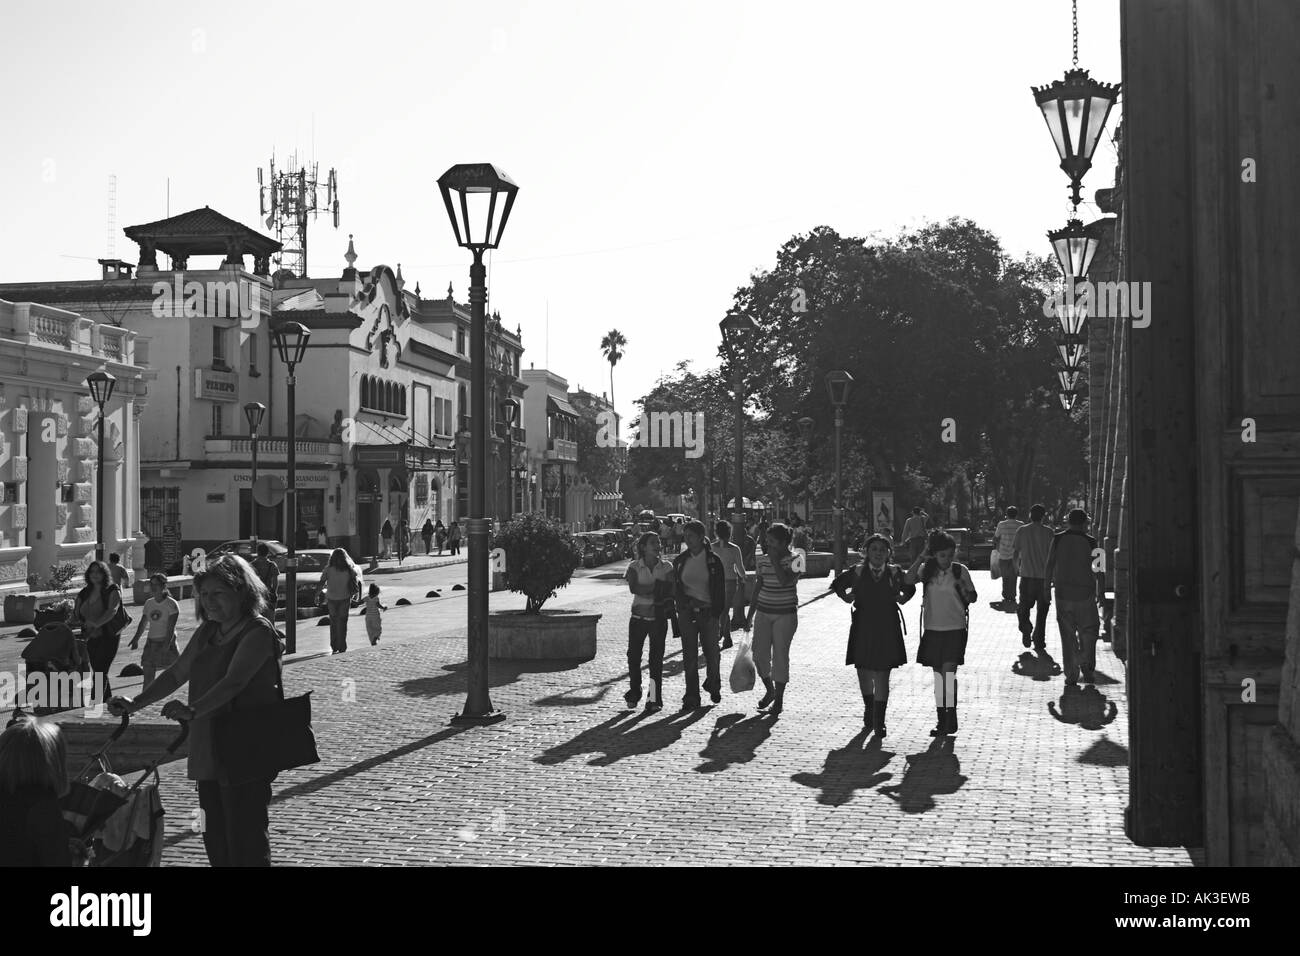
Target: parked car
(245, 550)
(614, 545)
(590, 555)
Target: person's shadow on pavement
(1039, 667)
(1084, 706)
(928, 774)
(735, 739)
(618, 737)
(855, 766)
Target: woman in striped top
(774, 616)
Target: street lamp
(1075, 109)
(471, 192)
(837, 384)
(806, 430)
(510, 415)
(101, 390)
(253, 411)
(291, 342)
(736, 329)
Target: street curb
(400, 569)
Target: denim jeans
(338, 611)
(1008, 569)
(1079, 624)
(638, 629)
(236, 822)
(773, 634)
(1034, 591)
(698, 627)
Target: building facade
(49, 442)
(552, 432)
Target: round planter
(551, 635)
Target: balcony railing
(271, 447)
(562, 449)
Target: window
(216, 420)
(9, 493)
(421, 490)
(218, 347)
(68, 494)
(460, 340)
(252, 353)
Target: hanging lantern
(1071, 352)
(1067, 400)
(1075, 245)
(1072, 314)
(1076, 109)
(1068, 377)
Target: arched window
(401, 400)
(388, 396)
(365, 390)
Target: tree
(612, 347)
(540, 557)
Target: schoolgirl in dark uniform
(948, 593)
(875, 588)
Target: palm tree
(612, 346)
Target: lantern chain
(1074, 8)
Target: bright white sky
(663, 151)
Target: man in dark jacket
(1069, 569)
(701, 598)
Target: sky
(663, 152)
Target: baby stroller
(118, 825)
(56, 668)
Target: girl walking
(650, 579)
(948, 593)
(774, 616)
(340, 582)
(453, 537)
(875, 588)
(374, 623)
(440, 536)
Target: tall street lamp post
(736, 328)
(253, 411)
(291, 342)
(806, 430)
(510, 415)
(478, 197)
(837, 384)
(101, 390)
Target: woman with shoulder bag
(102, 615)
(875, 588)
(232, 664)
(341, 583)
(948, 593)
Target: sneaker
(653, 707)
(715, 696)
(633, 697)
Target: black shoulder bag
(258, 742)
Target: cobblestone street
(574, 777)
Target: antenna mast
(287, 200)
(112, 215)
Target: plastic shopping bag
(995, 566)
(742, 669)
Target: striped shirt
(1006, 537)
(774, 597)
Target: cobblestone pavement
(574, 777)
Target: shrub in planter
(540, 558)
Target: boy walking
(1005, 540)
(1029, 553)
(160, 613)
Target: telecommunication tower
(287, 200)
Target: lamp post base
(478, 720)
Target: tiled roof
(202, 222)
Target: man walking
(1004, 538)
(1029, 552)
(701, 597)
(1069, 570)
(914, 533)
